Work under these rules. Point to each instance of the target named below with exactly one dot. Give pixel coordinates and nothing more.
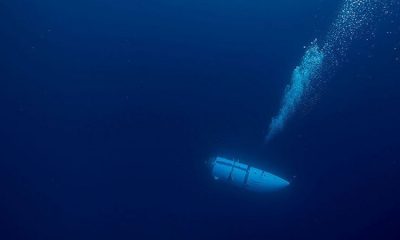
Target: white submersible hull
(245, 176)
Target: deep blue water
(109, 110)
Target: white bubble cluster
(302, 75)
(354, 18)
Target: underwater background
(110, 109)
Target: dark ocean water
(109, 110)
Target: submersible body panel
(245, 176)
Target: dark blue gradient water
(109, 110)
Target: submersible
(245, 176)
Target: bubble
(301, 77)
(354, 18)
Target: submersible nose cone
(245, 176)
(274, 181)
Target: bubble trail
(301, 77)
(353, 17)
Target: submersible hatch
(245, 176)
